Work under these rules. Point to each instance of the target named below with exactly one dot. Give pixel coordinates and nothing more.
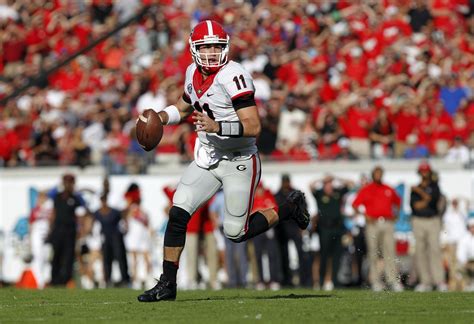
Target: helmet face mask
(211, 58)
(209, 34)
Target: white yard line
(58, 304)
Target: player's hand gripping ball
(149, 129)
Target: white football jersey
(214, 96)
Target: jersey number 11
(205, 107)
(237, 83)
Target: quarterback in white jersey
(220, 93)
(220, 97)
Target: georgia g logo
(190, 88)
(241, 167)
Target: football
(149, 129)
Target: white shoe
(216, 286)
(469, 288)
(274, 286)
(397, 287)
(442, 287)
(260, 286)
(328, 286)
(193, 285)
(377, 287)
(86, 283)
(201, 285)
(222, 276)
(423, 288)
(137, 285)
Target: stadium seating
(345, 80)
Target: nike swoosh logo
(210, 94)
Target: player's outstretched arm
(173, 114)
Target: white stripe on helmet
(209, 28)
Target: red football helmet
(209, 32)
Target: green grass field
(237, 306)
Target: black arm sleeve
(244, 101)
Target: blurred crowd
(334, 80)
(361, 236)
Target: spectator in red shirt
(66, 79)
(8, 145)
(442, 127)
(360, 118)
(394, 27)
(356, 125)
(446, 16)
(460, 126)
(114, 56)
(381, 204)
(357, 65)
(36, 37)
(405, 122)
(13, 43)
(423, 128)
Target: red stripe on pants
(252, 189)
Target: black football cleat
(163, 290)
(297, 203)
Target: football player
(220, 93)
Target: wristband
(231, 129)
(173, 115)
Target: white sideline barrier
(15, 186)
